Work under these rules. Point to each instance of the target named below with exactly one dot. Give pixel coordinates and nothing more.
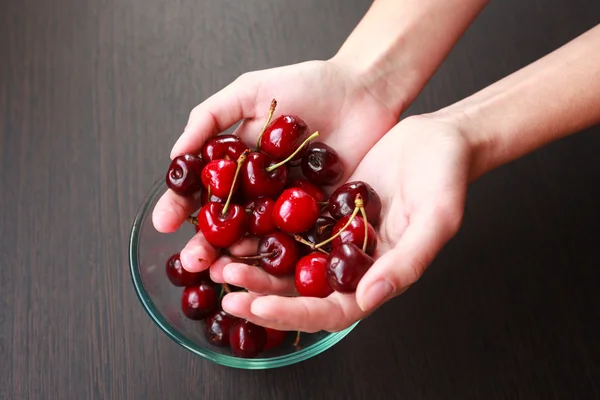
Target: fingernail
(375, 295)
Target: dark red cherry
(310, 278)
(322, 165)
(295, 211)
(229, 147)
(218, 327)
(218, 175)
(260, 213)
(257, 181)
(321, 231)
(346, 265)
(283, 136)
(222, 229)
(199, 301)
(184, 175)
(274, 338)
(247, 339)
(308, 187)
(283, 253)
(179, 276)
(341, 202)
(355, 233)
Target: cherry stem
(307, 243)
(271, 111)
(208, 193)
(240, 161)
(192, 220)
(257, 257)
(279, 164)
(364, 215)
(358, 205)
(297, 341)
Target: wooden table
(94, 93)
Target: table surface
(94, 93)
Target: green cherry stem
(364, 215)
(271, 111)
(279, 164)
(240, 161)
(192, 220)
(297, 341)
(257, 257)
(358, 205)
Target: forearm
(399, 44)
(551, 98)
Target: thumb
(216, 114)
(403, 265)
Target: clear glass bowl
(148, 253)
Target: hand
(325, 94)
(427, 164)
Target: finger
(198, 254)
(257, 280)
(216, 269)
(238, 304)
(171, 210)
(217, 114)
(307, 314)
(404, 264)
(245, 247)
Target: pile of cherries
(274, 193)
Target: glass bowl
(148, 253)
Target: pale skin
(430, 159)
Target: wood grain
(94, 93)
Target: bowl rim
(156, 316)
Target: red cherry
(346, 265)
(322, 165)
(283, 136)
(309, 188)
(218, 327)
(199, 301)
(283, 253)
(310, 278)
(179, 276)
(223, 229)
(261, 216)
(321, 231)
(341, 202)
(184, 174)
(274, 338)
(295, 211)
(218, 175)
(229, 147)
(247, 339)
(355, 233)
(236, 198)
(257, 181)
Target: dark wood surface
(93, 94)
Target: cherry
(228, 147)
(345, 267)
(179, 276)
(311, 278)
(184, 174)
(247, 339)
(295, 211)
(283, 136)
(224, 224)
(199, 301)
(274, 338)
(280, 252)
(321, 164)
(218, 176)
(218, 327)
(355, 233)
(260, 216)
(341, 202)
(309, 188)
(257, 181)
(205, 198)
(322, 230)
(223, 227)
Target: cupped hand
(327, 96)
(421, 170)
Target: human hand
(427, 163)
(326, 95)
